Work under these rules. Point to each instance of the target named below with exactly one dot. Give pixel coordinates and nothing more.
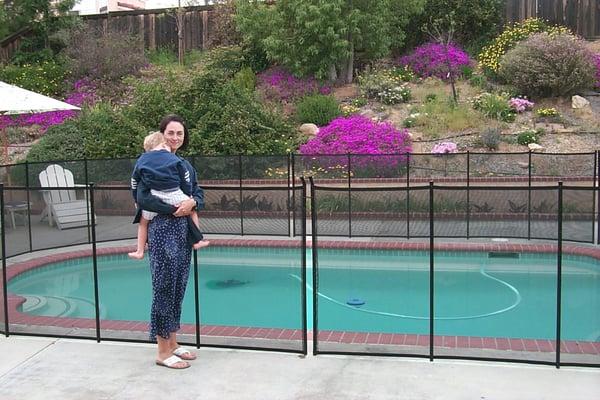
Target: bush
(495, 106)
(358, 134)
(61, 142)
(548, 66)
(46, 77)
(246, 79)
(490, 56)
(385, 86)
(527, 137)
(277, 84)
(104, 57)
(224, 32)
(317, 109)
(490, 138)
(435, 59)
(473, 21)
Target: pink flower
(520, 105)
(435, 59)
(444, 148)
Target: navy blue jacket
(146, 201)
(160, 170)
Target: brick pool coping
(346, 337)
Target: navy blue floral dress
(170, 256)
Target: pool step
(503, 254)
(58, 306)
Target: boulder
(535, 147)
(578, 102)
(309, 129)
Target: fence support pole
(196, 299)
(87, 178)
(431, 271)
(408, 155)
(241, 195)
(349, 198)
(4, 283)
(597, 195)
(291, 182)
(94, 261)
(529, 198)
(28, 194)
(315, 263)
(468, 192)
(303, 266)
(559, 273)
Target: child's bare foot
(200, 244)
(137, 255)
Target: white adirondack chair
(62, 206)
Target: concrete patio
(42, 368)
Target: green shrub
(317, 109)
(527, 137)
(495, 106)
(547, 66)
(490, 56)
(245, 78)
(227, 60)
(163, 56)
(61, 142)
(490, 138)
(46, 77)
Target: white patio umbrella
(15, 100)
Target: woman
(170, 255)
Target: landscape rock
(523, 164)
(578, 102)
(309, 129)
(535, 147)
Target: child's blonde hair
(153, 140)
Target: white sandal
(171, 361)
(182, 352)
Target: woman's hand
(185, 208)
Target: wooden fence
(582, 16)
(158, 27)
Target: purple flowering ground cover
(279, 85)
(83, 93)
(438, 60)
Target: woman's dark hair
(175, 118)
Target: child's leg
(201, 243)
(142, 238)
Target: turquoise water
(474, 295)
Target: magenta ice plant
(279, 85)
(438, 60)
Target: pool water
(475, 294)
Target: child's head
(154, 140)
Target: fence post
(596, 195)
(315, 263)
(408, 158)
(292, 174)
(196, 299)
(28, 194)
(468, 192)
(94, 260)
(291, 182)
(529, 198)
(4, 283)
(87, 181)
(303, 266)
(349, 198)
(559, 273)
(241, 195)
(431, 270)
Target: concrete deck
(41, 368)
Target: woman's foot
(200, 244)
(173, 362)
(137, 255)
(184, 353)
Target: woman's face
(174, 135)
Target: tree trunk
(180, 42)
(332, 73)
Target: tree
(44, 17)
(321, 37)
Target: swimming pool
(476, 293)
